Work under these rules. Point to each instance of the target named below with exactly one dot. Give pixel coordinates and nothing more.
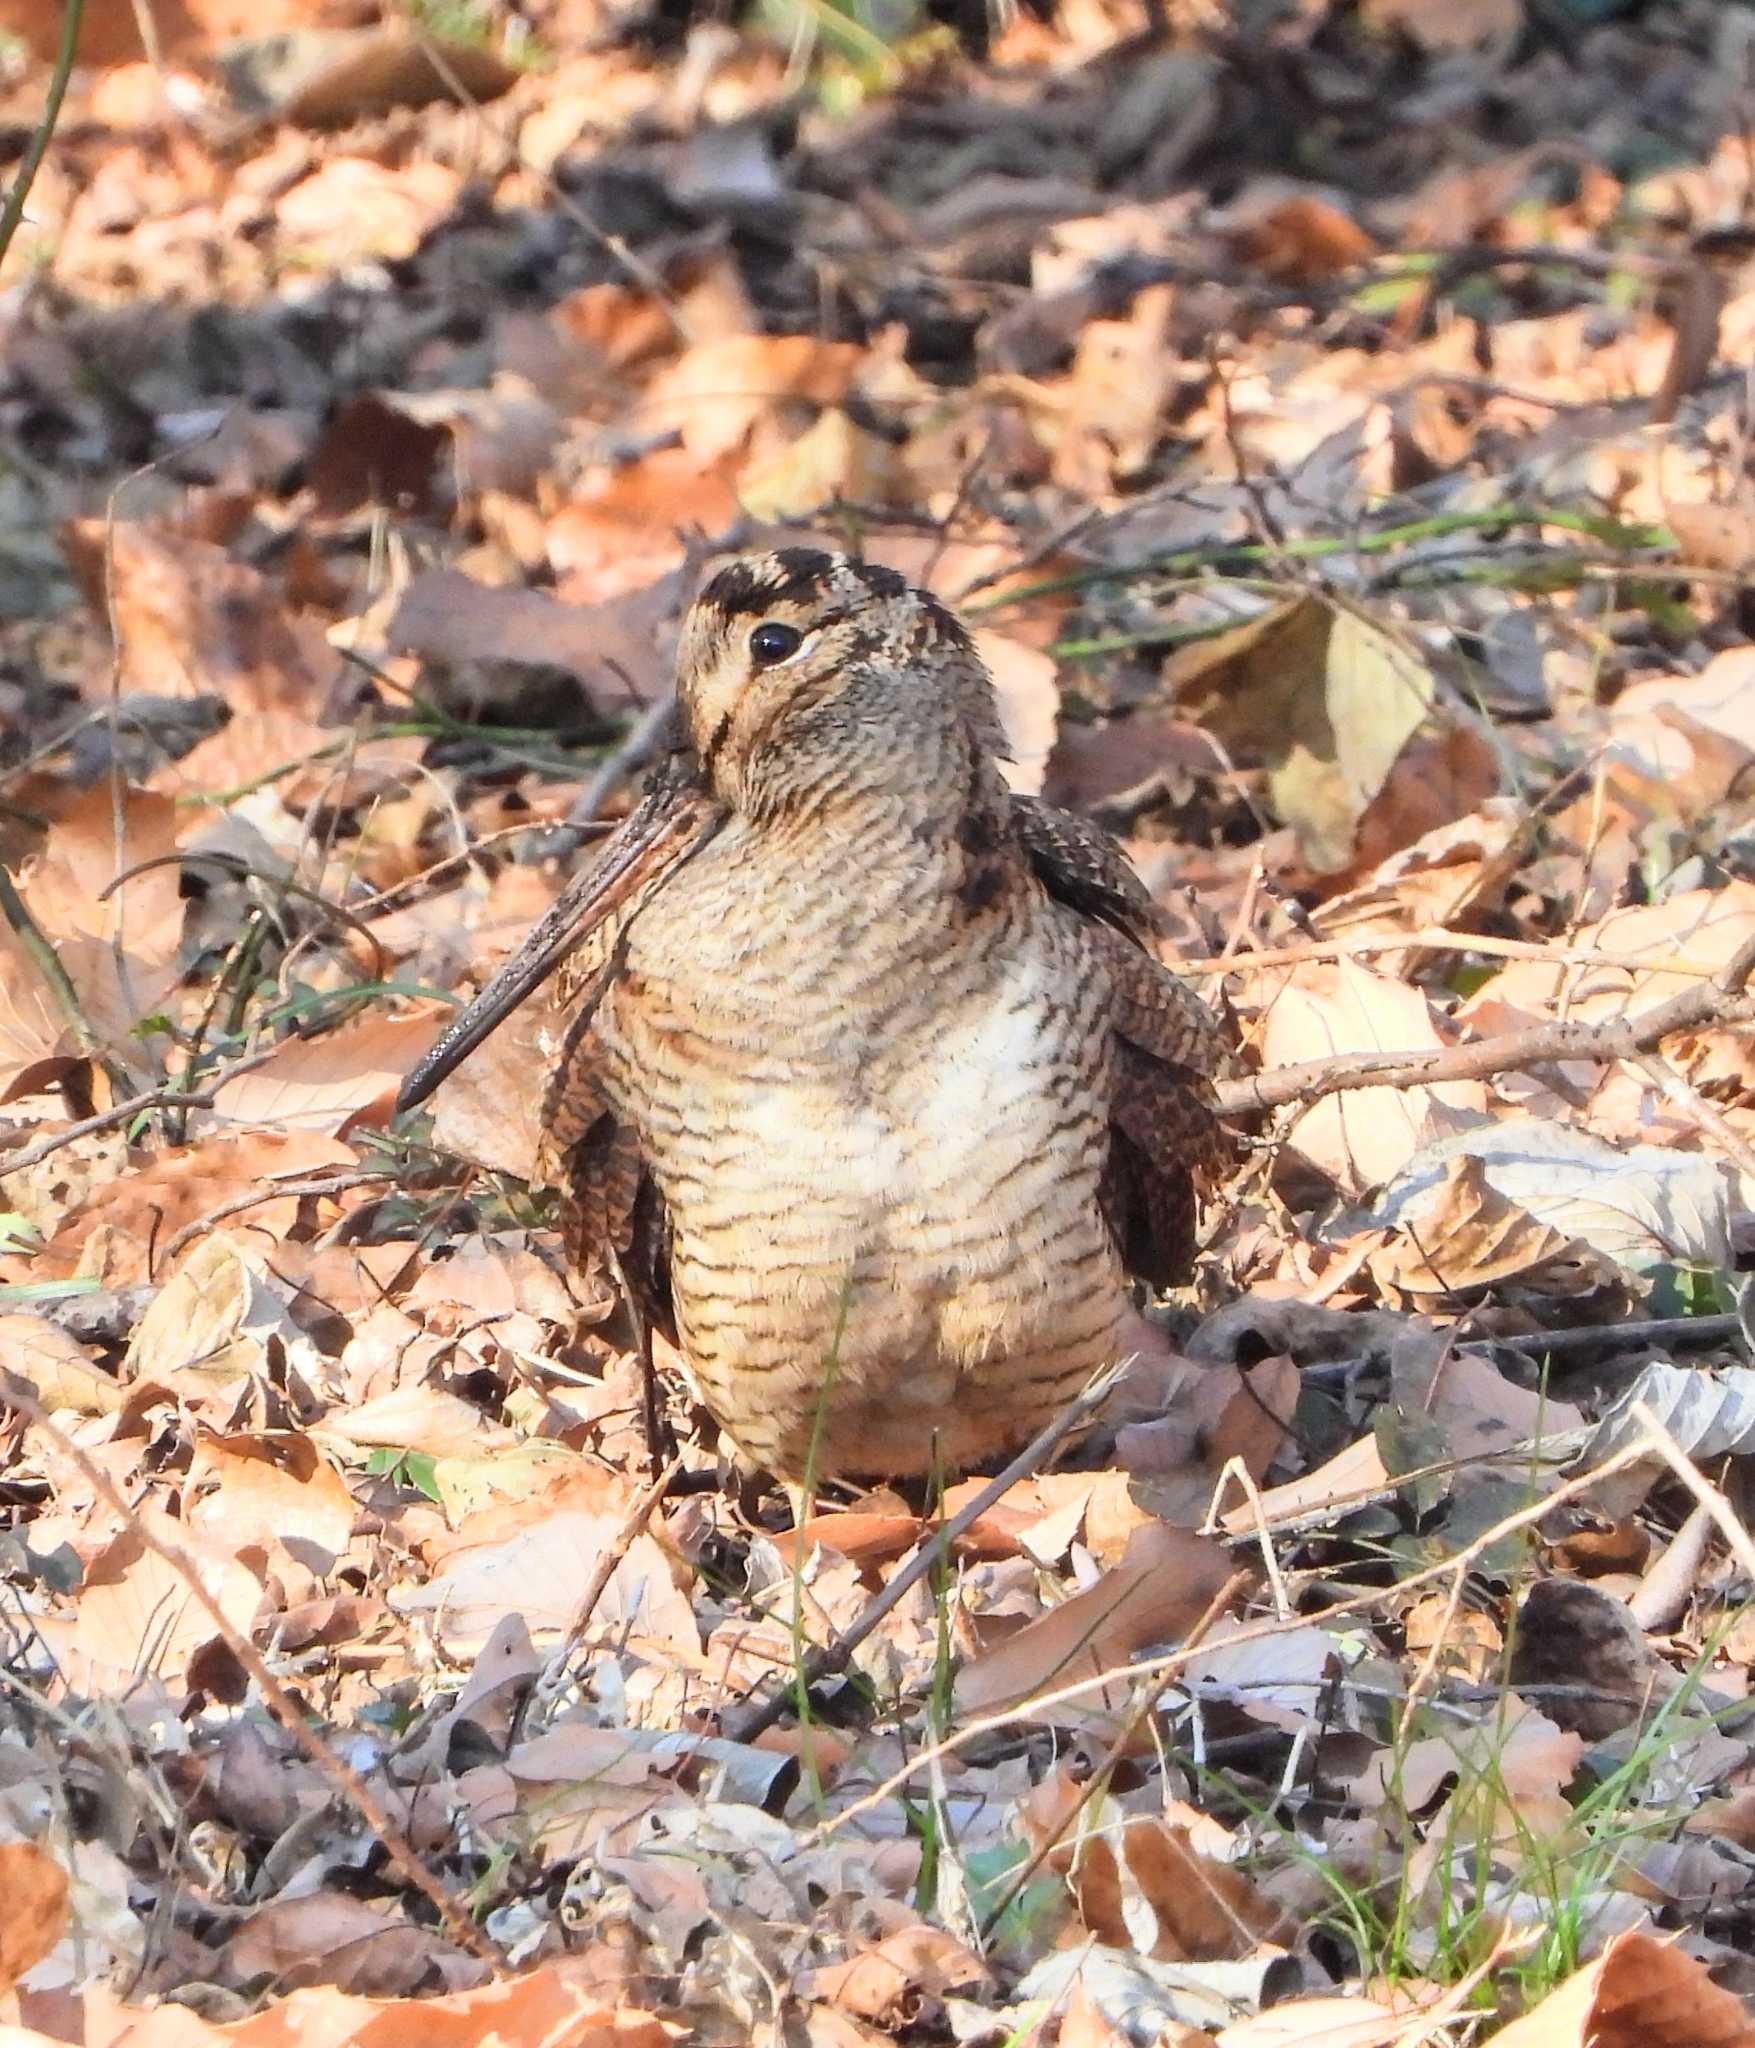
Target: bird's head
(804, 675)
(803, 678)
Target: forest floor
(1334, 417)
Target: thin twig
(632, 752)
(1676, 1089)
(1670, 1332)
(293, 1718)
(611, 1556)
(1723, 1000)
(13, 211)
(273, 1191)
(1432, 939)
(118, 1113)
(1730, 1527)
(235, 864)
(824, 1661)
(40, 947)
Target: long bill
(658, 835)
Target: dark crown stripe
(745, 589)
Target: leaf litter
(1334, 423)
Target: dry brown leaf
(833, 462)
(1713, 536)
(445, 616)
(1300, 238)
(1639, 1993)
(1364, 1137)
(1345, 1480)
(267, 1491)
(138, 1614)
(888, 1981)
(325, 1937)
(120, 948)
(1467, 1235)
(1326, 698)
(1144, 1885)
(213, 1321)
(624, 529)
(53, 1368)
(486, 1109)
(191, 620)
(352, 210)
(1518, 1753)
(1330, 2023)
(126, 1223)
(540, 1569)
(420, 1418)
(1122, 377)
(36, 1037)
(554, 2006)
(33, 1909)
(717, 394)
(333, 1082)
(1163, 1585)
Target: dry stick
(1173, 1660)
(273, 1190)
(242, 870)
(278, 1701)
(1436, 939)
(1730, 1526)
(829, 1658)
(120, 1113)
(38, 148)
(618, 1547)
(632, 752)
(125, 1112)
(1694, 1106)
(1723, 1000)
(40, 947)
(1691, 1333)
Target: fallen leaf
(1163, 1585)
(1324, 697)
(268, 1491)
(37, 1044)
(1363, 1137)
(1639, 1993)
(118, 944)
(126, 1222)
(1143, 1884)
(554, 2006)
(353, 210)
(193, 621)
(139, 1616)
(333, 1082)
(326, 1937)
(1639, 1205)
(33, 1908)
(213, 1321)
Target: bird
(869, 1092)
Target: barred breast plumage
(870, 1091)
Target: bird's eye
(773, 643)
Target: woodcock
(870, 1092)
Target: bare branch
(1723, 1000)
